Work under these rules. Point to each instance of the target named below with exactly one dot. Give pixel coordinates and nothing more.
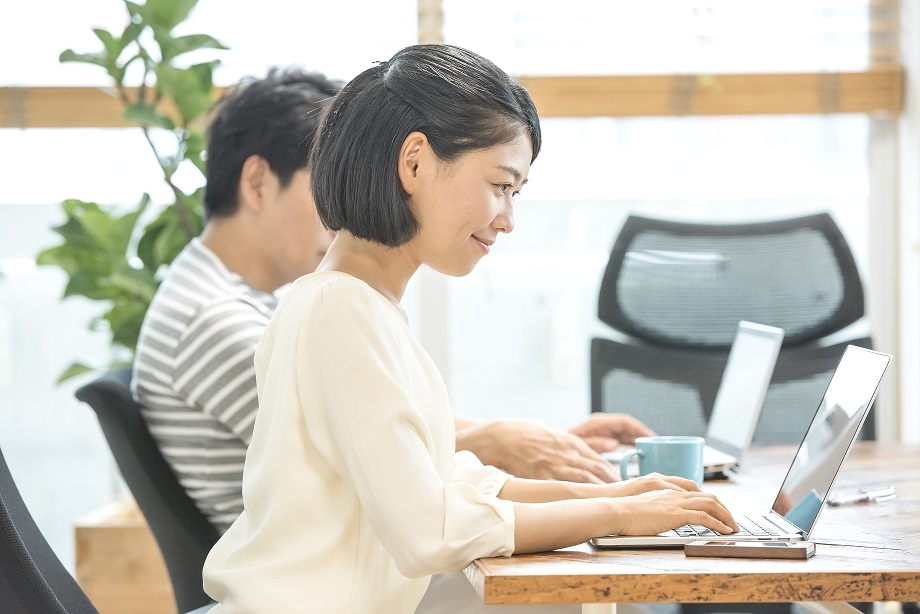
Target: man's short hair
(275, 118)
(459, 100)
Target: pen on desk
(863, 495)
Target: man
(194, 371)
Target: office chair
(673, 390)
(683, 284)
(182, 532)
(676, 291)
(32, 577)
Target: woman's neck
(385, 269)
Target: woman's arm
(542, 491)
(539, 527)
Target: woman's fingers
(661, 510)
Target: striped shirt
(195, 377)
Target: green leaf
(75, 369)
(130, 35)
(110, 44)
(135, 10)
(88, 284)
(167, 14)
(125, 319)
(194, 42)
(170, 241)
(112, 234)
(146, 246)
(194, 146)
(147, 115)
(137, 285)
(190, 88)
(69, 55)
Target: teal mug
(669, 455)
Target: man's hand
(604, 432)
(528, 450)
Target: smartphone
(752, 549)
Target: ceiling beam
(875, 91)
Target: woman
(352, 490)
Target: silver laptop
(811, 475)
(739, 398)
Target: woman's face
(464, 205)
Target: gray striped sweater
(194, 375)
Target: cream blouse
(353, 493)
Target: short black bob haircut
(274, 117)
(462, 102)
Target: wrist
(615, 515)
(480, 440)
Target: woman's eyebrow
(513, 171)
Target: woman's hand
(656, 511)
(647, 483)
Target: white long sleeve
(352, 487)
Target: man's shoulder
(199, 282)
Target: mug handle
(624, 462)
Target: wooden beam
(878, 90)
(430, 21)
(873, 91)
(63, 107)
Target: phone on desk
(752, 549)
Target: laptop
(802, 496)
(739, 398)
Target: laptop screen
(827, 441)
(743, 387)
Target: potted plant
(114, 255)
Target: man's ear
(254, 182)
(413, 152)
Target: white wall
(908, 237)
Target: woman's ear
(254, 181)
(412, 154)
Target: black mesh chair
(32, 578)
(182, 532)
(673, 390)
(688, 285)
(676, 291)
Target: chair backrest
(688, 285)
(677, 291)
(182, 531)
(672, 390)
(32, 578)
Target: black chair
(673, 389)
(688, 285)
(675, 292)
(32, 578)
(182, 532)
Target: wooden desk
(880, 562)
(118, 562)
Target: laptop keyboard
(757, 527)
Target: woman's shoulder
(335, 292)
